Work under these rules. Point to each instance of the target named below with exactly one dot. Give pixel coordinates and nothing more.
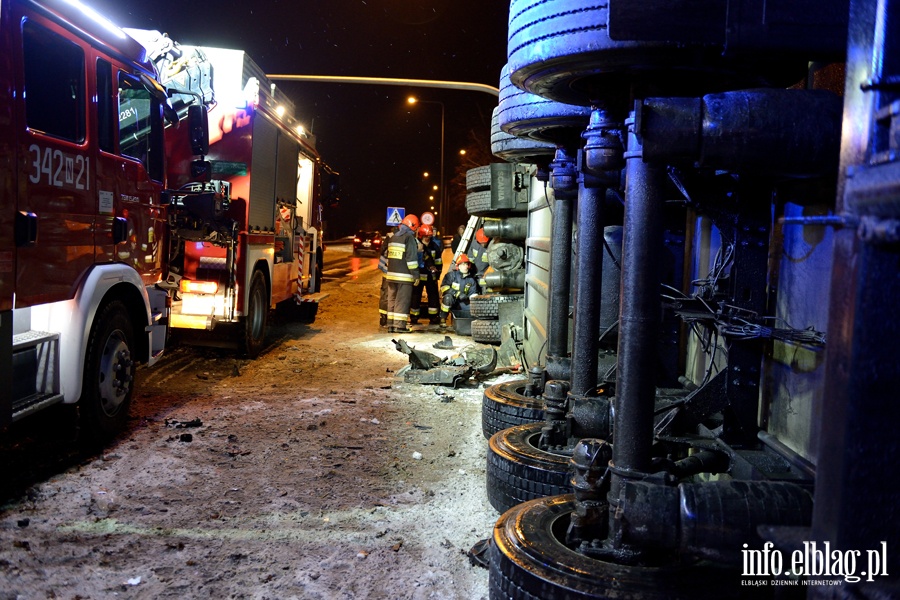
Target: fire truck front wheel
(108, 373)
(257, 314)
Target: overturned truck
(731, 423)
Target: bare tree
(477, 154)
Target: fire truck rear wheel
(257, 315)
(108, 373)
(320, 264)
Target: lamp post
(442, 194)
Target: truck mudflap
(317, 297)
(157, 329)
(305, 307)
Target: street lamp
(442, 194)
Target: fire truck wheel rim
(256, 312)
(116, 372)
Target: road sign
(427, 218)
(395, 215)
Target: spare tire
(478, 179)
(486, 331)
(487, 306)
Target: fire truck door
(56, 194)
(137, 170)
(7, 178)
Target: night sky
(378, 143)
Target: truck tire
(108, 373)
(514, 149)
(525, 115)
(487, 306)
(528, 560)
(518, 470)
(486, 331)
(504, 405)
(254, 329)
(562, 50)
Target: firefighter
(402, 274)
(458, 286)
(430, 265)
(382, 265)
(478, 250)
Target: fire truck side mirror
(120, 230)
(198, 126)
(332, 188)
(201, 170)
(26, 229)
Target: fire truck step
(35, 362)
(32, 338)
(23, 407)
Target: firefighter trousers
(383, 302)
(399, 298)
(430, 287)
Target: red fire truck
(83, 221)
(249, 238)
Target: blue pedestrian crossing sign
(395, 215)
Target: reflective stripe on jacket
(403, 257)
(462, 287)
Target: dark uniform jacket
(430, 261)
(458, 287)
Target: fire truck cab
(82, 224)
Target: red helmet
(482, 239)
(463, 259)
(426, 230)
(411, 221)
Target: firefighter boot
(382, 321)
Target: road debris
(183, 424)
(445, 344)
(427, 369)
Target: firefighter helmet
(426, 230)
(463, 259)
(411, 221)
(481, 237)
